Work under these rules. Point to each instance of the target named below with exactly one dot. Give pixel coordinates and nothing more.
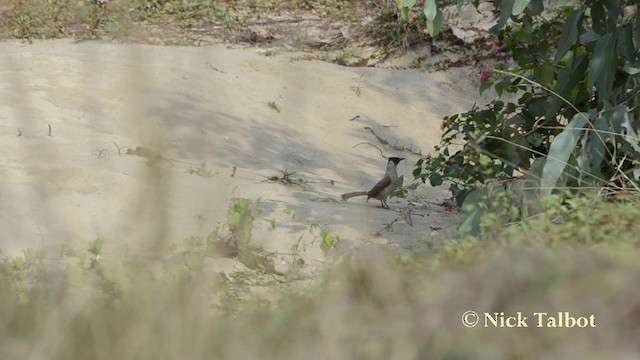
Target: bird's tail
(353, 194)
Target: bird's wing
(381, 185)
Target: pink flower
(484, 76)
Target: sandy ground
(208, 105)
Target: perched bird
(384, 187)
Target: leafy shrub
(574, 123)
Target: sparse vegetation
(274, 106)
(582, 264)
(357, 88)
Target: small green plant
(397, 26)
(290, 212)
(328, 241)
(273, 105)
(357, 88)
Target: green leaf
(631, 70)
(613, 9)
(569, 35)
(242, 205)
(568, 78)
(233, 219)
(30, 255)
(544, 74)
(599, 18)
(602, 67)
(19, 262)
(621, 116)
(485, 86)
(272, 222)
(95, 247)
(430, 9)
(535, 8)
(472, 212)
(537, 166)
(506, 9)
(406, 3)
(499, 87)
(559, 152)
(435, 179)
(589, 37)
(287, 211)
(519, 6)
(435, 26)
(625, 43)
(593, 152)
(328, 242)
(405, 7)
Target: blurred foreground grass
(371, 305)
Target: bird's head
(395, 160)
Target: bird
(384, 187)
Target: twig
(383, 141)
(49, 129)
(394, 147)
(19, 132)
(386, 227)
(368, 143)
(146, 153)
(216, 69)
(117, 147)
(99, 153)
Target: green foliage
(405, 7)
(95, 247)
(580, 220)
(486, 209)
(328, 241)
(575, 120)
(240, 219)
(396, 25)
(431, 15)
(435, 21)
(290, 212)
